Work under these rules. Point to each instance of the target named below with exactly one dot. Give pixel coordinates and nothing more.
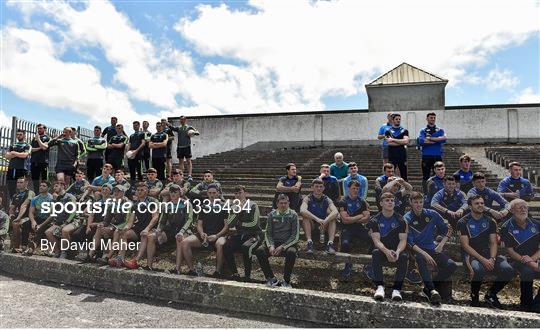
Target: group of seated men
(410, 227)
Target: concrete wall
(463, 125)
(321, 308)
(406, 97)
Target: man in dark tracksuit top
(158, 144)
(290, 185)
(521, 236)
(40, 156)
(450, 202)
(18, 213)
(397, 138)
(478, 238)
(389, 235)
(331, 183)
(136, 144)
(354, 213)
(117, 145)
(246, 236)
(489, 195)
(183, 147)
(108, 133)
(94, 160)
(69, 152)
(17, 155)
(380, 182)
(514, 186)
(464, 174)
(170, 138)
(424, 225)
(430, 139)
(434, 184)
(281, 236)
(145, 156)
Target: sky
(78, 63)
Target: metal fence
(8, 137)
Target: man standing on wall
(397, 138)
(17, 154)
(183, 148)
(430, 139)
(108, 133)
(40, 156)
(382, 135)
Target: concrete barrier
(324, 308)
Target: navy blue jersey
(525, 241)
(353, 207)
(464, 179)
(388, 228)
(16, 162)
(434, 184)
(117, 152)
(424, 228)
(40, 156)
(19, 198)
(489, 195)
(135, 140)
(109, 132)
(452, 201)
(520, 184)
(318, 206)
(156, 138)
(331, 187)
(397, 133)
(478, 232)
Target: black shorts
(169, 148)
(69, 171)
(182, 153)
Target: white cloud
(293, 53)
(5, 121)
(31, 69)
(528, 95)
(500, 79)
(333, 47)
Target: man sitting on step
(319, 209)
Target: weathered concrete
(462, 125)
(41, 304)
(407, 97)
(318, 307)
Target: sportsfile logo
(121, 206)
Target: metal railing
(8, 137)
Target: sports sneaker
(272, 282)
(432, 296)
(131, 264)
(286, 284)
(413, 276)
(368, 271)
(172, 270)
(309, 248)
(379, 293)
(103, 261)
(347, 270)
(475, 301)
(493, 301)
(189, 178)
(217, 274)
(396, 295)
(330, 248)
